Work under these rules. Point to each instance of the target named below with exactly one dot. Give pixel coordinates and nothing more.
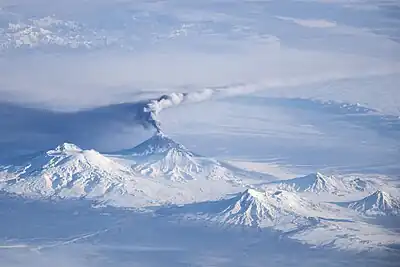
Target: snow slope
(377, 204)
(282, 210)
(316, 224)
(315, 183)
(70, 172)
(67, 171)
(66, 232)
(162, 157)
(359, 184)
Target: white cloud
(103, 78)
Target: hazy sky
(178, 46)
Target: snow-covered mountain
(315, 183)
(160, 156)
(158, 143)
(71, 172)
(312, 222)
(378, 203)
(133, 178)
(66, 171)
(359, 184)
(266, 209)
(320, 183)
(281, 210)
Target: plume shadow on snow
(27, 130)
(31, 128)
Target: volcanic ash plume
(154, 107)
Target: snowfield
(160, 173)
(165, 173)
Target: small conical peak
(252, 193)
(158, 143)
(319, 176)
(314, 182)
(161, 137)
(383, 199)
(377, 192)
(378, 203)
(380, 194)
(249, 191)
(314, 176)
(66, 147)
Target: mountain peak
(378, 203)
(264, 209)
(68, 171)
(314, 182)
(380, 193)
(251, 194)
(160, 156)
(380, 196)
(158, 143)
(67, 147)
